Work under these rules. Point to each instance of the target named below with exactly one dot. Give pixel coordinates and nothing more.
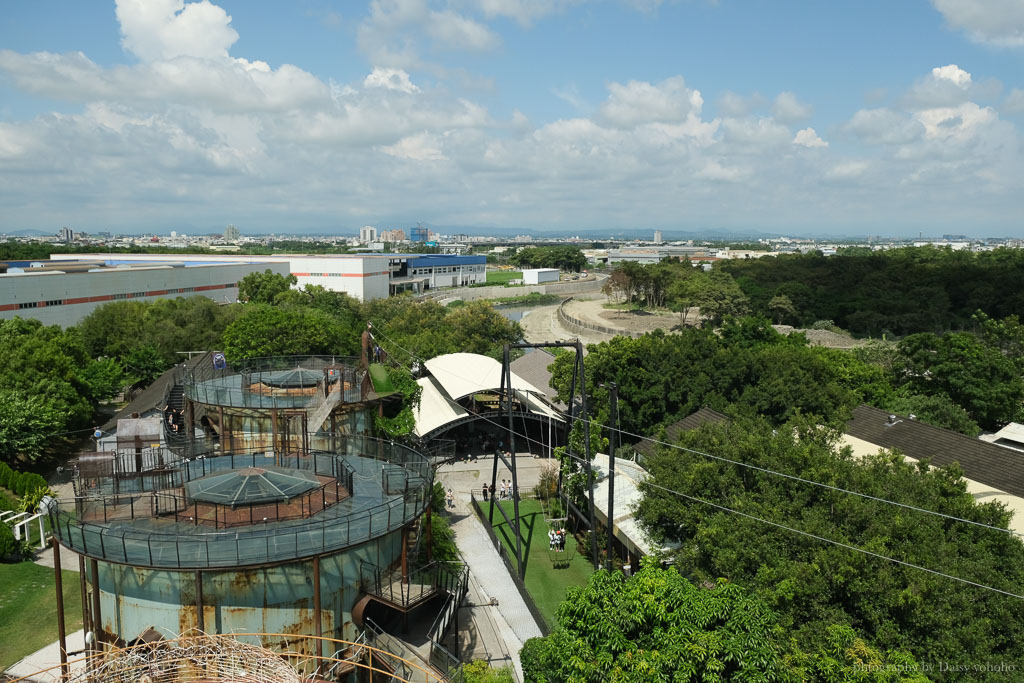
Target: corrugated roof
(983, 462)
(533, 367)
(673, 431)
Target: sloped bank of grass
(545, 583)
(28, 609)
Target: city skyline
(544, 117)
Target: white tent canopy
(435, 409)
(462, 374)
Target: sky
(875, 117)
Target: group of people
(506, 491)
(556, 539)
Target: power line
(777, 524)
(764, 470)
(834, 542)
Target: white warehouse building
(363, 276)
(65, 292)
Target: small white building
(538, 276)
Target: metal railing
(420, 585)
(233, 385)
(441, 657)
(123, 539)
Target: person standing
(485, 491)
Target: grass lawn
(502, 277)
(28, 609)
(545, 583)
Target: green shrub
(5, 475)
(10, 548)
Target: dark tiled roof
(981, 461)
(673, 431)
(533, 367)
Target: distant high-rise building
(66, 235)
(367, 233)
(231, 233)
(395, 235)
(420, 234)
(657, 237)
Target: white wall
(81, 293)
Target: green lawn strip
(545, 583)
(502, 277)
(28, 609)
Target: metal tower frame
(507, 395)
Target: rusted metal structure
(268, 524)
(248, 657)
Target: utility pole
(612, 439)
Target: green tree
(480, 671)
(718, 296)
(27, 426)
(264, 330)
(265, 287)
(813, 585)
(657, 626)
(782, 308)
(979, 378)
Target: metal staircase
(319, 409)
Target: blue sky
(869, 117)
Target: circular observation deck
(212, 511)
(278, 382)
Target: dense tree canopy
(813, 585)
(49, 386)
(263, 330)
(146, 336)
(265, 287)
(899, 291)
(411, 330)
(658, 626)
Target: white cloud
(390, 79)
(523, 11)
(949, 122)
(571, 95)
(204, 138)
(998, 22)
(808, 138)
(788, 109)
(944, 86)
(713, 170)
(736, 106)
(884, 127)
(164, 29)
(639, 102)
(421, 147)
(847, 170)
(454, 30)
(753, 134)
(953, 74)
(1014, 102)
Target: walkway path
(500, 620)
